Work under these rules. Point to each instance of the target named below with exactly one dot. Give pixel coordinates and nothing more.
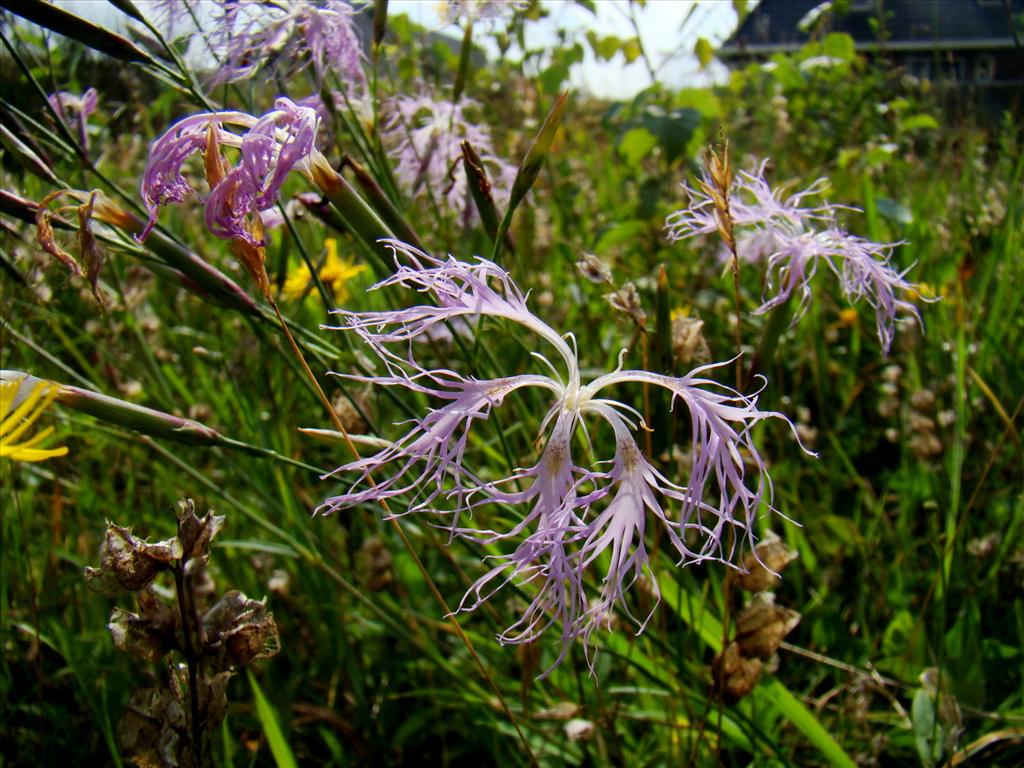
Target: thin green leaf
(128, 7)
(23, 152)
(778, 696)
(75, 27)
(283, 756)
(530, 166)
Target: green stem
(359, 218)
(191, 661)
(464, 56)
(778, 322)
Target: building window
(952, 68)
(985, 68)
(920, 67)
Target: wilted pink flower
(799, 237)
(272, 146)
(426, 135)
(248, 34)
(576, 512)
(75, 110)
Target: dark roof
(909, 24)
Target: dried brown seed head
(563, 710)
(149, 732)
(149, 634)
(594, 269)
(128, 563)
(627, 301)
(764, 564)
(375, 562)
(762, 626)
(238, 631)
(689, 347)
(579, 730)
(733, 675)
(196, 533)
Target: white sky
(668, 36)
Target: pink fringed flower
(75, 110)
(250, 33)
(799, 238)
(426, 137)
(273, 145)
(576, 512)
(863, 268)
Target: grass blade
(775, 694)
(283, 756)
(85, 32)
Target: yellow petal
(11, 420)
(28, 411)
(17, 453)
(297, 281)
(14, 425)
(8, 391)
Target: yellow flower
(924, 292)
(16, 418)
(336, 272)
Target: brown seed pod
(763, 625)
(734, 676)
(764, 564)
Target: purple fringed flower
(752, 203)
(546, 557)
(173, 17)
(798, 238)
(75, 110)
(576, 513)
(754, 246)
(426, 137)
(250, 33)
(620, 526)
(863, 269)
(273, 145)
